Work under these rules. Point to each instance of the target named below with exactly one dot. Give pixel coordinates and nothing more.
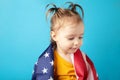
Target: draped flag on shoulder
(44, 67)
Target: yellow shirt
(64, 70)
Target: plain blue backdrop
(24, 35)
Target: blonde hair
(62, 15)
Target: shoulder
(86, 58)
(84, 55)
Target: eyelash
(70, 38)
(73, 38)
(80, 37)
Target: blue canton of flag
(43, 68)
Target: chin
(72, 51)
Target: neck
(66, 56)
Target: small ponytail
(51, 10)
(72, 7)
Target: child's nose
(76, 43)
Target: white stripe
(89, 70)
(90, 73)
(72, 57)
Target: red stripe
(92, 67)
(80, 66)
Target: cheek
(66, 44)
(80, 44)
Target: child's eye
(70, 38)
(80, 37)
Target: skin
(68, 39)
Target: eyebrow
(74, 35)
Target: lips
(74, 49)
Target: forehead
(60, 22)
(72, 29)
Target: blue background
(24, 34)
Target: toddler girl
(63, 60)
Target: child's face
(69, 37)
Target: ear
(53, 35)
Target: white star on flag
(32, 71)
(36, 63)
(44, 70)
(51, 63)
(50, 78)
(46, 55)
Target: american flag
(44, 68)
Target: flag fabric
(84, 67)
(44, 67)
